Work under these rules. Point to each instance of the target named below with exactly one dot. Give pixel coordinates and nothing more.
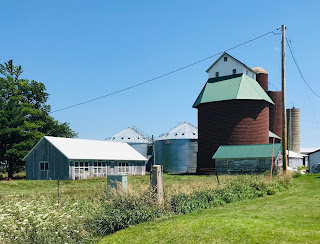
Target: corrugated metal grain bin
(177, 149)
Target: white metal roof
(183, 131)
(309, 150)
(80, 149)
(293, 154)
(130, 135)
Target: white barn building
(227, 65)
(70, 159)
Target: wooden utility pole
(284, 112)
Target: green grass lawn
(291, 216)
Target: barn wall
(58, 163)
(295, 162)
(233, 122)
(107, 168)
(243, 166)
(314, 159)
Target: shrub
(125, 210)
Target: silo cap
(260, 70)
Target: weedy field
(84, 212)
(291, 216)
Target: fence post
(58, 189)
(156, 183)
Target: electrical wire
(166, 74)
(295, 61)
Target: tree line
(24, 117)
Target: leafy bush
(122, 211)
(296, 174)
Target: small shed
(314, 162)
(296, 159)
(241, 159)
(70, 159)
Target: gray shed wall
(244, 166)
(142, 148)
(58, 163)
(314, 159)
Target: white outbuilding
(70, 159)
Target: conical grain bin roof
(183, 131)
(130, 135)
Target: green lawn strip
(291, 216)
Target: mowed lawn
(291, 216)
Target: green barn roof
(239, 86)
(247, 151)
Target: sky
(82, 50)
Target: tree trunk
(10, 171)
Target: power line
(166, 74)
(294, 59)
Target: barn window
(123, 168)
(230, 163)
(99, 169)
(217, 74)
(81, 170)
(225, 59)
(247, 72)
(234, 71)
(44, 165)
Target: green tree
(24, 117)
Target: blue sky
(85, 49)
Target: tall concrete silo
(134, 138)
(293, 125)
(232, 110)
(177, 149)
(262, 77)
(275, 118)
